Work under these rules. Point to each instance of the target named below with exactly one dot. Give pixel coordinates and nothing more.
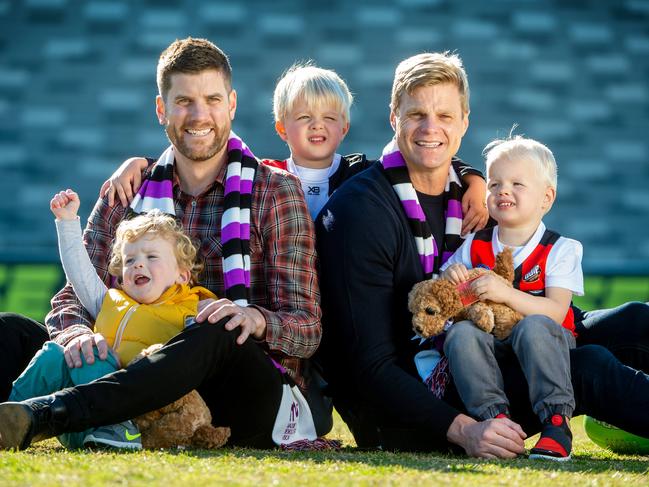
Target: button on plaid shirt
(283, 287)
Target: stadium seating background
(77, 85)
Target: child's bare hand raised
(65, 205)
(456, 273)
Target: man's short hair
(316, 86)
(191, 56)
(517, 147)
(426, 69)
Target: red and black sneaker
(555, 442)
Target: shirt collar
(220, 178)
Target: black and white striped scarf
(157, 192)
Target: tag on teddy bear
(466, 294)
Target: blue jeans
(542, 348)
(47, 373)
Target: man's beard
(177, 138)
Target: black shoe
(22, 423)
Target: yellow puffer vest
(129, 327)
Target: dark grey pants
(542, 348)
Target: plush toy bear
(435, 301)
(186, 422)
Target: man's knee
(19, 324)
(9, 317)
(635, 316)
(209, 333)
(632, 316)
(635, 310)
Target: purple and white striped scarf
(157, 192)
(397, 172)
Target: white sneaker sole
(90, 441)
(539, 456)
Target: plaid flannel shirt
(284, 284)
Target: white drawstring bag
(294, 421)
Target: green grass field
(27, 289)
(48, 464)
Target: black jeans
(607, 376)
(240, 385)
(20, 339)
(623, 330)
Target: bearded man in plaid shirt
(267, 321)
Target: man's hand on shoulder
(494, 438)
(474, 207)
(124, 182)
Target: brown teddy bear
(185, 422)
(434, 302)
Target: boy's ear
(346, 129)
(465, 123)
(281, 130)
(548, 199)
(184, 275)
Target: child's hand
(456, 273)
(65, 205)
(474, 206)
(124, 182)
(491, 287)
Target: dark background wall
(77, 86)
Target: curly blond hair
(157, 223)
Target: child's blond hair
(158, 224)
(318, 87)
(517, 147)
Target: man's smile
(198, 133)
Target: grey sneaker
(122, 435)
